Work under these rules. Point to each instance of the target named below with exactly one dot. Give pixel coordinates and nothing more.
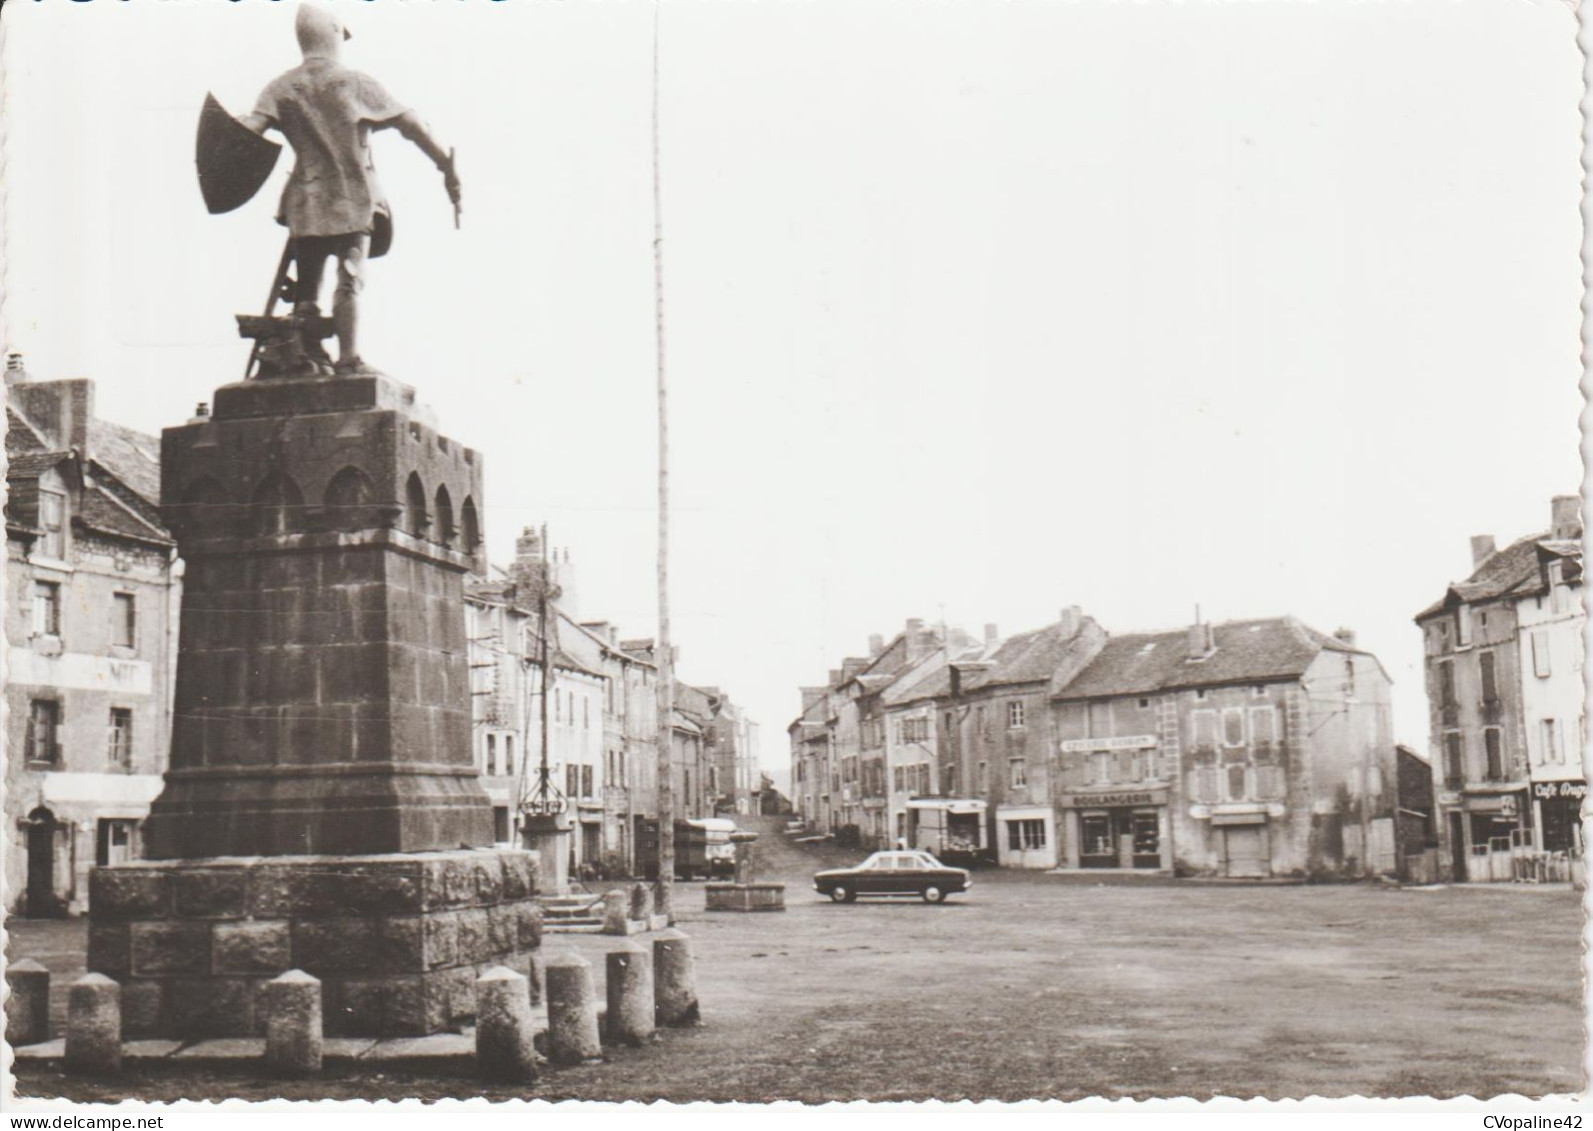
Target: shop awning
(1221, 820)
(948, 804)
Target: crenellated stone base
(397, 941)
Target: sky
(972, 311)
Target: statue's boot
(345, 320)
(307, 317)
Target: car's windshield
(929, 861)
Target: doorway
(113, 843)
(1245, 851)
(41, 900)
(1120, 838)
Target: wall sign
(1108, 800)
(1126, 742)
(1548, 790)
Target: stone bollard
(28, 1007)
(505, 1047)
(94, 1026)
(293, 1024)
(616, 909)
(572, 1010)
(630, 996)
(641, 902)
(674, 979)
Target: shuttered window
(1540, 654)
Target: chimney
(812, 695)
(876, 644)
(835, 677)
(16, 372)
(1482, 548)
(59, 409)
(914, 625)
(991, 636)
(851, 666)
(564, 582)
(1345, 636)
(1567, 517)
(1202, 641)
(1072, 618)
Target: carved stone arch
(350, 500)
(445, 516)
(416, 520)
(205, 505)
(277, 506)
(469, 526)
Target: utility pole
(664, 901)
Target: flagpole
(666, 667)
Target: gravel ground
(1045, 986)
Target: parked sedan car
(894, 873)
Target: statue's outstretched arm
(409, 124)
(259, 123)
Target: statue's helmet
(319, 31)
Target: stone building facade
(92, 591)
(602, 712)
(1503, 658)
(1244, 749)
(1000, 710)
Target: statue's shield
(233, 160)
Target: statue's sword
(456, 201)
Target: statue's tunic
(327, 111)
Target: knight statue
(333, 205)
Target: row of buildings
(602, 720)
(1247, 748)
(93, 595)
(1244, 749)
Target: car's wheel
(840, 893)
(933, 894)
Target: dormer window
(52, 525)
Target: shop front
(951, 829)
(1558, 807)
(1026, 836)
(1120, 829)
(1495, 834)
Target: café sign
(1126, 742)
(1548, 790)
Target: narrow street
(1035, 985)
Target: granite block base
(397, 941)
(745, 897)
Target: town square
(774, 555)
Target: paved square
(1041, 985)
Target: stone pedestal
(549, 838)
(397, 941)
(322, 691)
(322, 810)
